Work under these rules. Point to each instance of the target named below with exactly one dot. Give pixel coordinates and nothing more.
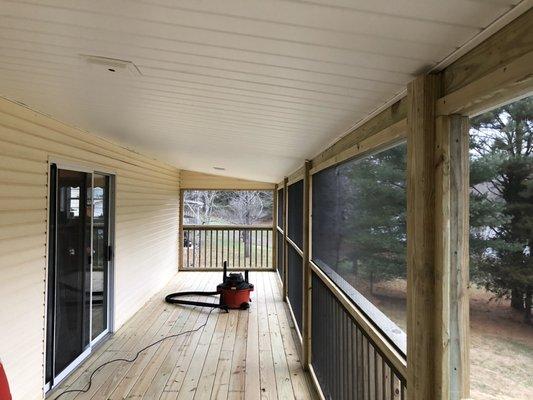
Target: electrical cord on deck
(134, 358)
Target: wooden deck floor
(248, 354)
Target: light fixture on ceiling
(107, 64)
(219, 168)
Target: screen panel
(295, 284)
(359, 235)
(281, 207)
(281, 259)
(295, 211)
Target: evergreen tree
(377, 210)
(501, 211)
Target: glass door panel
(100, 254)
(72, 258)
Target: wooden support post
(437, 247)
(285, 245)
(452, 253)
(422, 94)
(180, 233)
(306, 335)
(275, 229)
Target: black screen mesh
(359, 228)
(295, 217)
(295, 283)
(280, 208)
(280, 262)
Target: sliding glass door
(79, 262)
(101, 255)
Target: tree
(501, 214)
(199, 205)
(376, 206)
(247, 207)
(359, 218)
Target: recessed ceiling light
(219, 168)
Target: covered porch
(357, 121)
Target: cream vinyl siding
(147, 202)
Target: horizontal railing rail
(242, 246)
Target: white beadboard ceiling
(253, 86)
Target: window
(359, 235)
(501, 268)
(295, 217)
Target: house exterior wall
(146, 229)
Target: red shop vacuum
(4, 386)
(234, 293)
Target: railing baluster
(199, 249)
(268, 252)
(233, 247)
(211, 249)
(383, 380)
(187, 241)
(222, 247)
(216, 251)
(391, 384)
(240, 236)
(261, 247)
(205, 249)
(194, 248)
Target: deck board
(241, 355)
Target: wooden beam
(306, 305)
(296, 176)
(452, 256)
(389, 136)
(422, 94)
(509, 43)
(511, 81)
(386, 118)
(200, 181)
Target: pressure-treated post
(275, 229)
(452, 254)
(437, 247)
(180, 233)
(421, 319)
(285, 247)
(306, 336)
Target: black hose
(171, 298)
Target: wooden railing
(347, 360)
(243, 247)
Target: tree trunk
(517, 299)
(528, 303)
